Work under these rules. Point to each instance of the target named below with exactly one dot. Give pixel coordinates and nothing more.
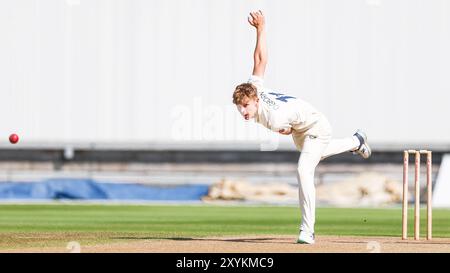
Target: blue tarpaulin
(88, 189)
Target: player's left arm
(257, 20)
(280, 124)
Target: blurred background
(131, 100)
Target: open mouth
(246, 117)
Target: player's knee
(305, 173)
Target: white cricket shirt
(278, 111)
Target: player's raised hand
(256, 19)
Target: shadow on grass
(231, 240)
(271, 240)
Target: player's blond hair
(242, 91)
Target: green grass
(28, 225)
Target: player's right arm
(260, 55)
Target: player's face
(248, 108)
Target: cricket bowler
(289, 115)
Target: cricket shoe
(364, 148)
(305, 238)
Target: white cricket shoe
(305, 238)
(364, 148)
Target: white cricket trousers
(316, 144)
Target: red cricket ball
(13, 138)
